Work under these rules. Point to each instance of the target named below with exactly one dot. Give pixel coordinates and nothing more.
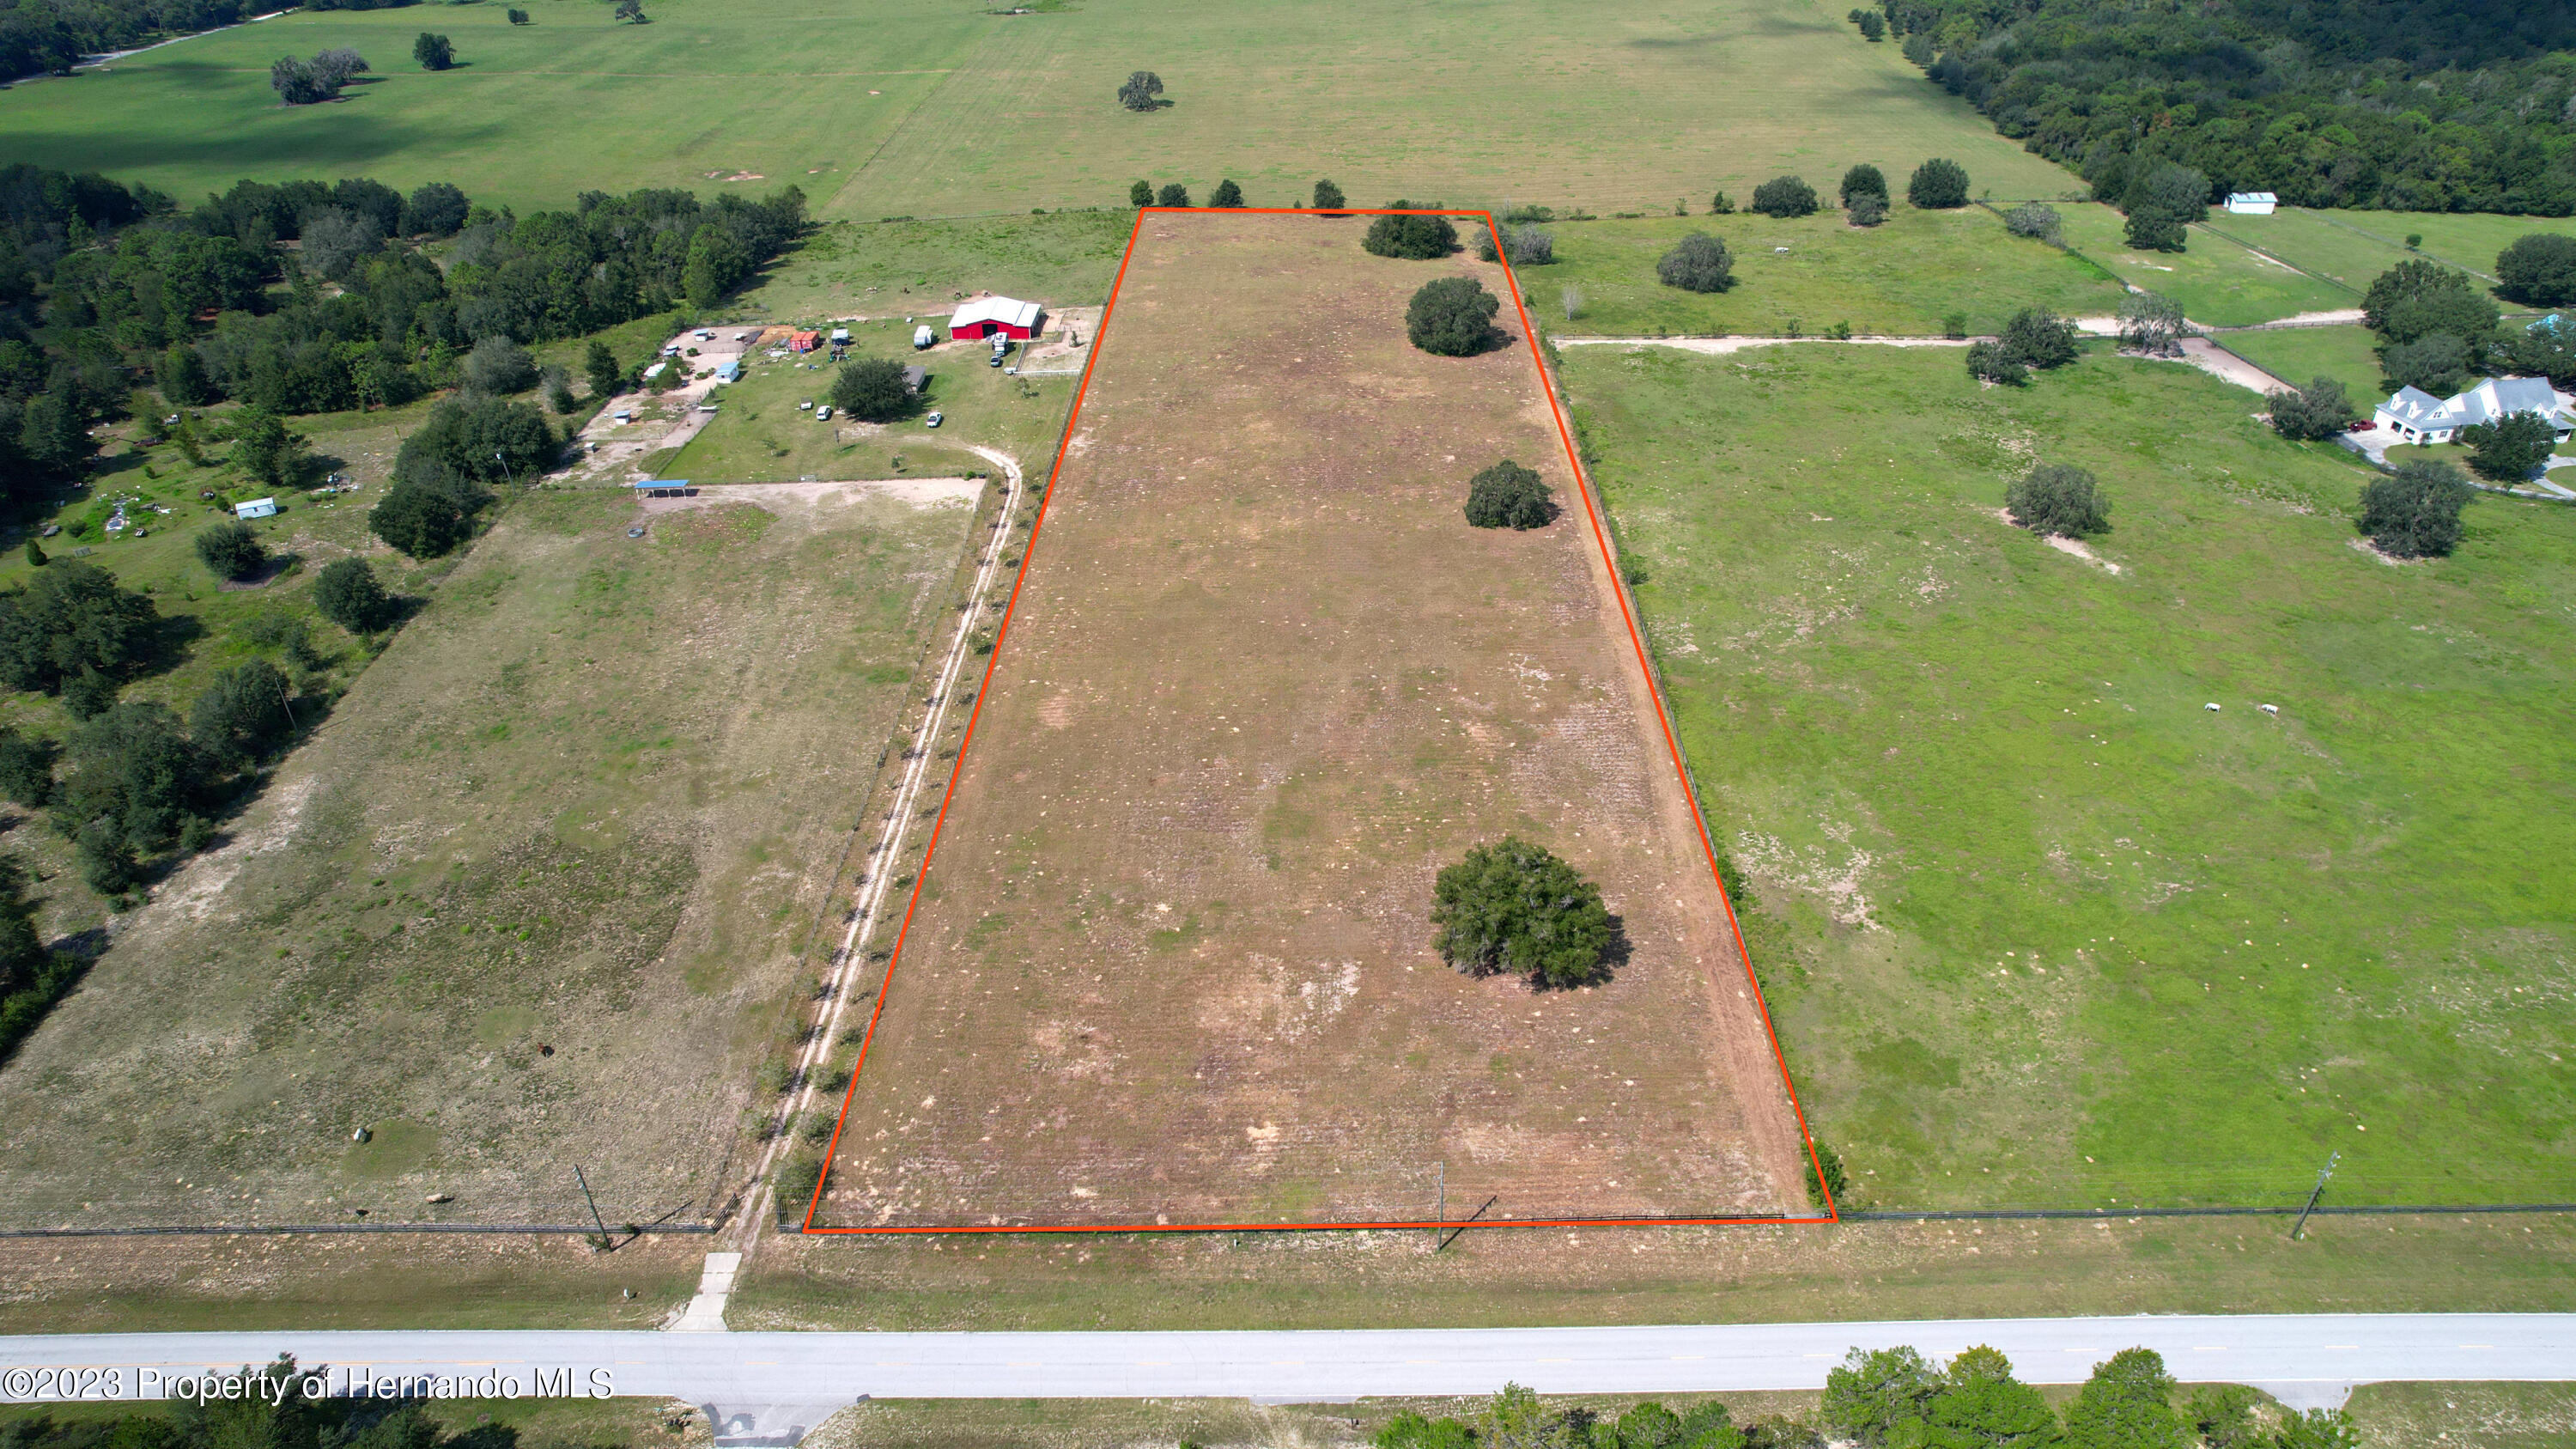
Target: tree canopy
(1864, 180)
(1515, 907)
(2058, 498)
(433, 52)
(2126, 1404)
(1328, 197)
(1508, 495)
(872, 389)
(2511, 449)
(2150, 322)
(349, 595)
(2037, 338)
(72, 617)
(2034, 219)
(1698, 262)
(1142, 91)
(2415, 299)
(1417, 238)
(2313, 413)
(1938, 185)
(1452, 316)
(2539, 268)
(1173, 194)
(2415, 511)
(232, 549)
(499, 365)
(1784, 197)
(1227, 195)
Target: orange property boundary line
(1028, 553)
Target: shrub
(1140, 193)
(1515, 907)
(433, 52)
(1988, 362)
(2034, 219)
(297, 83)
(265, 448)
(872, 390)
(2154, 231)
(347, 593)
(2511, 449)
(1142, 91)
(336, 65)
(2058, 498)
(599, 368)
(1328, 197)
(2312, 413)
(518, 16)
(2415, 512)
(1873, 26)
(1508, 495)
(1173, 194)
(498, 365)
(1784, 197)
(1938, 185)
(1524, 246)
(1721, 205)
(1453, 317)
(1697, 263)
(2539, 269)
(1227, 195)
(1867, 209)
(232, 550)
(1863, 180)
(1410, 238)
(70, 619)
(2037, 339)
(135, 778)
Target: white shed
(2252, 203)
(256, 508)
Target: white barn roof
(1005, 310)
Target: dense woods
(2452, 105)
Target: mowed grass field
(534, 896)
(2218, 283)
(2297, 354)
(2042, 929)
(1905, 276)
(930, 107)
(1172, 959)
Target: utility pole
(2314, 1193)
(594, 1206)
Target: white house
(2416, 416)
(256, 508)
(2252, 203)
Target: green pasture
(532, 116)
(2038, 927)
(2297, 354)
(1905, 276)
(2216, 281)
(930, 107)
(2321, 243)
(760, 435)
(874, 269)
(2469, 241)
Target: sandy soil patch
(782, 497)
(1720, 346)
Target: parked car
(934, 420)
(824, 413)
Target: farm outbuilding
(256, 508)
(2252, 203)
(995, 317)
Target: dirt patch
(784, 497)
(2071, 547)
(1171, 961)
(2363, 545)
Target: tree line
(2446, 105)
(1895, 1398)
(387, 294)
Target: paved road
(770, 1387)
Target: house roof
(2263, 196)
(995, 309)
(2490, 399)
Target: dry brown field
(537, 895)
(1170, 962)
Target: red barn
(995, 317)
